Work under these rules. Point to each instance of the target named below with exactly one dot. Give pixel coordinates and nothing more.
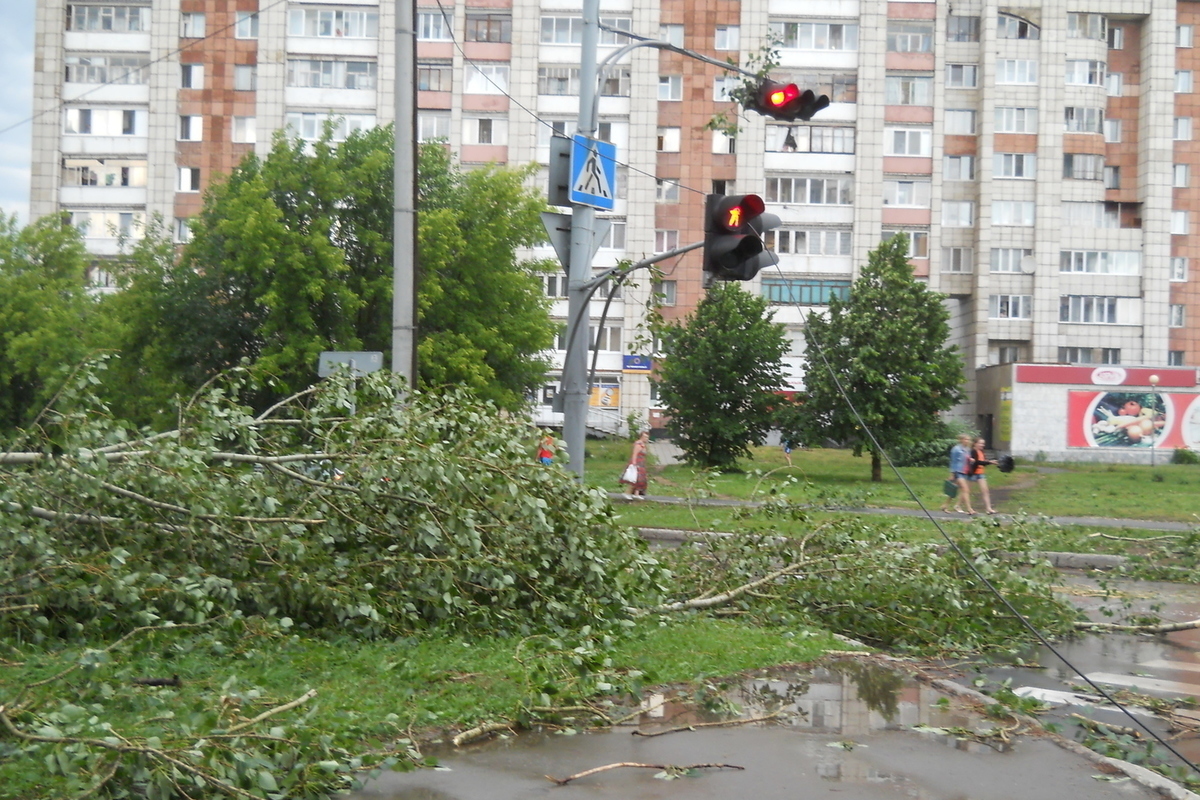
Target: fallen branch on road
(725, 724)
(1165, 627)
(666, 767)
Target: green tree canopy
(724, 365)
(44, 312)
(886, 347)
(292, 255)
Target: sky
(16, 106)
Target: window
(621, 24)
(1083, 120)
(1085, 73)
(191, 128)
(1184, 83)
(556, 285)
(1010, 306)
(962, 29)
(665, 291)
(666, 191)
(439, 77)
(107, 224)
(1182, 129)
(1083, 166)
(907, 142)
(1175, 316)
(103, 172)
(670, 87)
(1008, 354)
(723, 143)
(1180, 176)
(191, 25)
(562, 30)
(619, 83)
(831, 140)
(721, 88)
(483, 26)
(1116, 38)
(1112, 177)
(962, 76)
(1114, 84)
(191, 76)
(811, 191)
(245, 26)
(310, 126)
(1087, 26)
(1016, 120)
(104, 121)
(1112, 131)
(910, 194)
(960, 121)
(245, 77)
(909, 36)
(1101, 262)
(815, 35)
(958, 259)
(1091, 309)
(1183, 35)
(183, 230)
(121, 70)
(189, 179)
(1076, 355)
(665, 240)
(616, 236)
(433, 126)
(1174, 358)
(958, 214)
(432, 26)
(668, 140)
(244, 131)
(485, 130)
(809, 241)
(1179, 269)
(671, 34)
(723, 187)
(484, 78)
(804, 292)
(331, 74)
(959, 168)
(1090, 215)
(558, 80)
(908, 90)
(112, 19)
(347, 23)
(1180, 224)
(609, 338)
(1013, 213)
(728, 37)
(1014, 70)
(1110, 355)
(1009, 259)
(918, 242)
(1013, 27)
(1014, 165)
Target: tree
(44, 311)
(719, 380)
(292, 255)
(885, 347)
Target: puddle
(850, 730)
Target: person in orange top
(546, 449)
(975, 466)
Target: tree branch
(606, 767)
(1165, 627)
(304, 698)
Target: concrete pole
(404, 213)
(575, 388)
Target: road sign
(558, 228)
(593, 173)
(360, 362)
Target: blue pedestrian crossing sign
(593, 173)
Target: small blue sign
(593, 173)
(637, 364)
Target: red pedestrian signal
(733, 245)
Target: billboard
(1133, 419)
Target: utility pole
(404, 204)
(583, 218)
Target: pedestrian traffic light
(785, 101)
(733, 244)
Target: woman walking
(960, 454)
(976, 465)
(635, 471)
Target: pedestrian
(787, 450)
(959, 455)
(546, 450)
(634, 474)
(975, 467)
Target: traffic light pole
(583, 220)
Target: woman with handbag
(634, 474)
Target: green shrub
(1183, 455)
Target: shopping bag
(950, 488)
(629, 475)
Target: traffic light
(785, 101)
(733, 245)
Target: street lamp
(1153, 431)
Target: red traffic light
(735, 211)
(785, 101)
(777, 96)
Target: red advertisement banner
(1133, 419)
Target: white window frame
(189, 180)
(1179, 269)
(666, 190)
(1181, 176)
(1008, 259)
(1185, 82)
(908, 142)
(1176, 315)
(191, 128)
(245, 77)
(1014, 213)
(671, 33)
(958, 168)
(1112, 130)
(958, 214)
(1114, 84)
(668, 140)
(1181, 223)
(728, 37)
(665, 240)
(244, 130)
(908, 90)
(1014, 166)
(670, 88)
(1181, 129)
(1085, 72)
(245, 25)
(1088, 309)
(191, 76)
(1010, 306)
(191, 25)
(958, 260)
(1016, 71)
(962, 76)
(960, 122)
(1184, 35)
(484, 77)
(906, 193)
(1016, 119)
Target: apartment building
(1042, 161)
